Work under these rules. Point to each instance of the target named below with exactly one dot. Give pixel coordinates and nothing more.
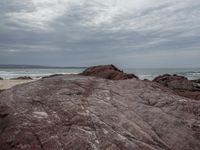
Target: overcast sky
(128, 33)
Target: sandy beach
(6, 84)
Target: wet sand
(6, 84)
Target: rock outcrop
(22, 78)
(107, 72)
(180, 85)
(1, 78)
(72, 112)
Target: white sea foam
(141, 73)
(35, 73)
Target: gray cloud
(140, 33)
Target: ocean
(151, 73)
(190, 73)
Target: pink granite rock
(107, 72)
(73, 112)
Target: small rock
(50, 76)
(22, 78)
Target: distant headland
(17, 66)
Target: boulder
(180, 85)
(1, 78)
(22, 78)
(107, 72)
(73, 112)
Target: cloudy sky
(128, 33)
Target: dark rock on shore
(175, 82)
(22, 78)
(1, 78)
(180, 85)
(50, 76)
(73, 112)
(1, 91)
(107, 72)
(196, 81)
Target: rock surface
(1, 78)
(107, 72)
(22, 78)
(180, 85)
(72, 112)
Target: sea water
(149, 73)
(35, 72)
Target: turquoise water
(191, 73)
